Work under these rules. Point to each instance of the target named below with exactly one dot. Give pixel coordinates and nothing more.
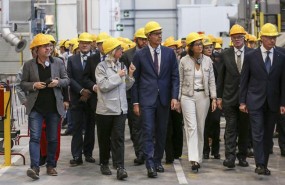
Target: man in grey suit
(43, 77)
(133, 120)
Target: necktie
(267, 62)
(103, 58)
(84, 57)
(155, 62)
(238, 53)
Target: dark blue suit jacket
(257, 86)
(148, 85)
(76, 73)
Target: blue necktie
(155, 62)
(103, 58)
(267, 62)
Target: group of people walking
(158, 88)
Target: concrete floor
(211, 172)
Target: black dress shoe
(76, 161)
(230, 163)
(195, 166)
(169, 161)
(121, 173)
(217, 156)
(89, 159)
(267, 172)
(151, 173)
(250, 152)
(260, 170)
(139, 160)
(243, 163)
(159, 168)
(105, 170)
(206, 156)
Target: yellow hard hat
(170, 42)
(191, 37)
(237, 29)
(179, 44)
(110, 44)
(151, 26)
(269, 29)
(140, 33)
(207, 41)
(75, 46)
(51, 38)
(66, 44)
(252, 38)
(40, 39)
(213, 39)
(94, 37)
(73, 41)
(219, 40)
(125, 46)
(62, 43)
(85, 37)
(246, 36)
(32, 45)
(218, 46)
(102, 37)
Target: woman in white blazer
(197, 84)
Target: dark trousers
(135, 126)
(262, 127)
(212, 130)
(237, 125)
(174, 137)
(154, 128)
(83, 118)
(111, 134)
(281, 132)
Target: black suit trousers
(237, 125)
(281, 132)
(212, 130)
(174, 137)
(83, 118)
(135, 125)
(262, 127)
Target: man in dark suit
(81, 113)
(154, 91)
(262, 94)
(133, 120)
(237, 123)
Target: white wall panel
(67, 19)
(210, 19)
(155, 4)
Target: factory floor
(211, 172)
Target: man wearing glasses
(154, 91)
(237, 123)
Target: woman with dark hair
(197, 83)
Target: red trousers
(43, 141)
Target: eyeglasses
(239, 37)
(198, 44)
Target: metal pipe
(6, 32)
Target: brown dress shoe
(51, 171)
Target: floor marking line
(179, 172)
